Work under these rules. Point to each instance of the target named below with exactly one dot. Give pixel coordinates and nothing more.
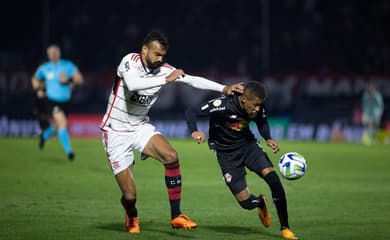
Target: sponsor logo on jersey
(142, 99)
(238, 126)
(217, 109)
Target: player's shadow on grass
(147, 227)
(115, 227)
(237, 230)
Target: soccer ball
(292, 165)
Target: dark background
(254, 39)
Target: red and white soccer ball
(292, 165)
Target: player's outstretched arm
(201, 83)
(206, 84)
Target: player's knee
(273, 181)
(170, 157)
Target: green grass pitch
(345, 194)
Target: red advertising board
(85, 125)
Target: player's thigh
(233, 170)
(159, 148)
(151, 142)
(58, 111)
(60, 119)
(119, 151)
(257, 160)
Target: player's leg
(259, 162)
(375, 126)
(231, 164)
(121, 158)
(126, 183)
(62, 132)
(159, 148)
(367, 122)
(45, 135)
(279, 199)
(41, 109)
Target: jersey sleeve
(71, 69)
(201, 83)
(192, 114)
(215, 106)
(262, 124)
(39, 74)
(127, 70)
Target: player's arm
(38, 85)
(264, 130)
(134, 82)
(205, 84)
(77, 78)
(192, 113)
(128, 72)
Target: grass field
(344, 195)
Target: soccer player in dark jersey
(236, 148)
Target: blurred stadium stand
(344, 41)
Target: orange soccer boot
(264, 215)
(184, 222)
(132, 224)
(288, 234)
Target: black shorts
(51, 107)
(233, 163)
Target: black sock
(251, 203)
(175, 208)
(278, 197)
(129, 206)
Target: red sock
(173, 183)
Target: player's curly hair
(256, 89)
(156, 35)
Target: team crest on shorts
(228, 177)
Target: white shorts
(119, 147)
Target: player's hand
(237, 87)
(198, 136)
(41, 93)
(273, 144)
(176, 74)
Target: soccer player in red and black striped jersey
(236, 148)
(126, 127)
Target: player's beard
(154, 65)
